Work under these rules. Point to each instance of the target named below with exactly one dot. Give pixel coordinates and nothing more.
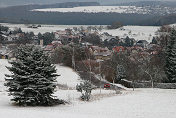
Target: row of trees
(127, 42)
(64, 54)
(110, 43)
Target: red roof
(119, 49)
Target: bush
(85, 88)
(115, 25)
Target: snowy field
(137, 32)
(97, 9)
(67, 77)
(141, 103)
(43, 29)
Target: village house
(135, 49)
(142, 43)
(63, 33)
(50, 48)
(100, 53)
(66, 36)
(59, 34)
(118, 49)
(107, 37)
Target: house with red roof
(118, 49)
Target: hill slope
(68, 77)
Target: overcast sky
(20, 2)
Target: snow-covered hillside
(67, 76)
(136, 32)
(97, 9)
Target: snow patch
(68, 76)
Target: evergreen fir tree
(33, 78)
(171, 57)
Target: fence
(147, 84)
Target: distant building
(142, 43)
(100, 53)
(41, 42)
(52, 46)
(118, 49)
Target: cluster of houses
(6, 50)
(9, 36)
(64, 37)
(141, 47)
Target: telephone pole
(100, 74)
(73, 59)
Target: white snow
(173, 25)
(68, 76)
(3, 70)
(43, 29)
(97, 9)
(136, 32)
(141, 103)
(121, 86)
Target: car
(107, 85)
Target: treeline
(21, 16)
